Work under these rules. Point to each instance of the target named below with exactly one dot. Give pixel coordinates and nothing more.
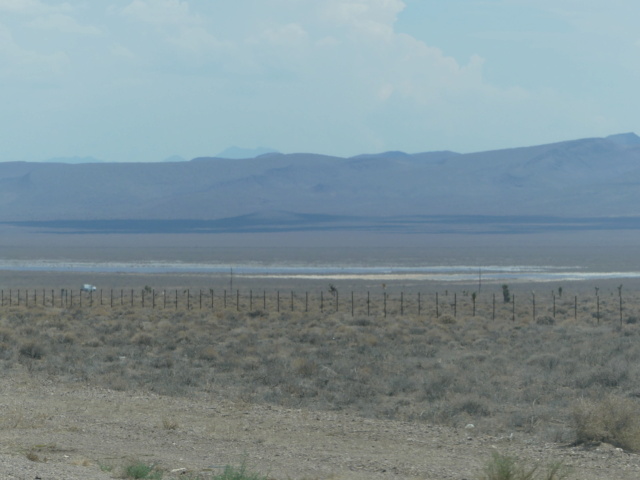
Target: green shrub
(142, 471)
(504, 467)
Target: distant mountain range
(591, 183)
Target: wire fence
(363, 303)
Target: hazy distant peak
(174, 158)
(625, 139)
(238, 152)
(75, 160)
(388, 155)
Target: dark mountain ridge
(588, 178)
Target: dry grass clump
(612, 420)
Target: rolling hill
(586, 183)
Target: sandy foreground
(51, 431)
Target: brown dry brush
(501, 375)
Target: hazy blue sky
(141, 80)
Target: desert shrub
(209, 353)
(504, 467)
(613, 420)
(545, 320)
(436, 384)
(32, 349)
(447, 320)
(304, 367)
(140, 470)
(608, 376)
(548, 361)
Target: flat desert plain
(332, 391)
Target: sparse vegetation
(506, 295)
(504, 467)
(139, 470)
(499, 374)
(613, 420)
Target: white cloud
(286, 35)
(32, 7)
(161, 12)
(63, 23)
(361, 12)
(25, 64)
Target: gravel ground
(51, 431)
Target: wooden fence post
(533, 299)
(493, 312)
(385, 303)
(455, 305)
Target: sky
(143, 80)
